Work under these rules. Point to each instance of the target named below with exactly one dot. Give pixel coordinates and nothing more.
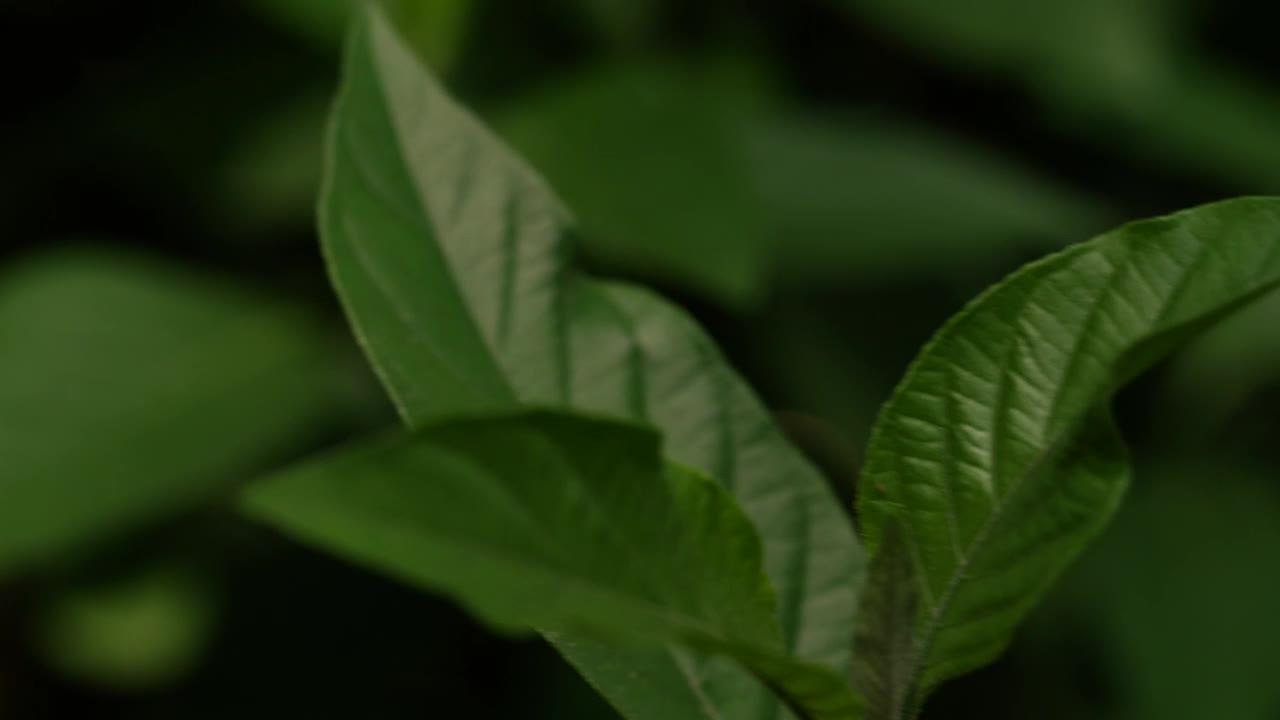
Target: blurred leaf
(624, 22)
(689, 174)
(1128, 67)
(435, 28)
(996, 454)
(1210, 121)
(875, 200)
(1107, 50)
(1184, 590)
(322, 22)
(129, 389)
(272, 176)
(450, 256)
(649, 156)
(557, 523)
(1219, 373)
(136, 633)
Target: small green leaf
(996, 454)
(129, 389)
(451, 257)
(563, 524)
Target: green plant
(581, 462)
(993, 464)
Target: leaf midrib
(934, 623)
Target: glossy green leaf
(452, 259)
(559, 523)
(129, 389)
(996, 454)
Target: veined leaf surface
(560, 523)
(452, 258)
(996, 454)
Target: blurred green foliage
(821, 182)
(652, 150)
(131, 389)
(143, 630)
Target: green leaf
(435, 28)
(559, 523)
(129, 389)
(650, 157)
(625, 23)
(1221, 373)
(996, 454)
(1095, 52)
(1183, 590)
(451, 257)
(135, 632)
(845, 200)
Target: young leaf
(129, 389)
(996, 455)
(450, 255)
(559, 523)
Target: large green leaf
(559, 523)
(451, 257)
(129, 389)
(996, 454)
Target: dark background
(822, 182)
